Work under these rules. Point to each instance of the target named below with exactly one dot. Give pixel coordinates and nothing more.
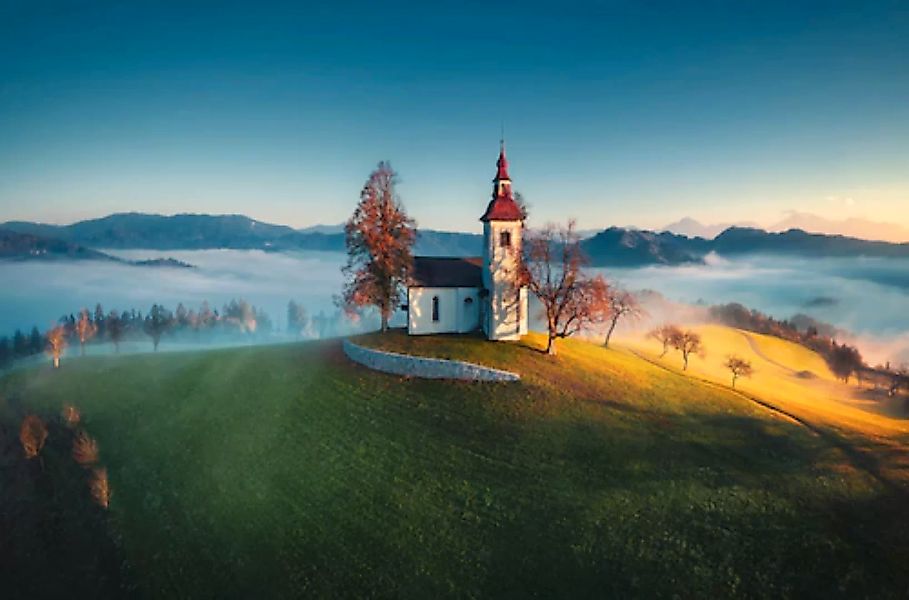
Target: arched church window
(435, 308)
(505, 239)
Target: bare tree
(553, 271)
(622, 305)
(56, 342)
(380, 238)
(665, 334)
(739, 367)
(85, 329)
(688, 343)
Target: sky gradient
(615, 113)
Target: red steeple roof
(502, 164)
(502, 207)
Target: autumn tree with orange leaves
(85, 329)
(32, 435)
(380, 238)
(554, 271)
(56, 343)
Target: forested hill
(614, 246)
(29, 246)
(14, 245)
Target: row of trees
(237, 317)
(689, 343)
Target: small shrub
(71, 415)
(100, 487)
(32, 435)
(85, 449)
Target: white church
(460, 295)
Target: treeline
(844, 360)
(238, 320)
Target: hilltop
(288, 470)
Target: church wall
(456, 315)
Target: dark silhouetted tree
(6, 352)
(845, 361)
(157, 323)
(35, 342)
(297, 319)
(115, 329)
(20, 344)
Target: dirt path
(757, 350)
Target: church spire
(502, 207)
(502, 163)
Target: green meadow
(288, 471)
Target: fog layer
(869, 297)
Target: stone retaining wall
(427, 368)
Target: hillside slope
(287, 470)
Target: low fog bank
(38, 293)
(867, 297)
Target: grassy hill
(287, 470)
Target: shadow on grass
(56, 542)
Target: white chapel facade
(464, 294)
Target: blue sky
(615, 113)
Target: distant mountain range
(615, 247)
(863, 229)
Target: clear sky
(615, 113)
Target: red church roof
(502, 164)
(502, 207)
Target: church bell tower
(505, 314)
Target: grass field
(286, 470)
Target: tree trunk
(733, 381)
(665, 350)
(384, 321)
(81, 348)
(609, 333)
(550, 346)
(56, 362)
(156, 341)
(685, 358)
